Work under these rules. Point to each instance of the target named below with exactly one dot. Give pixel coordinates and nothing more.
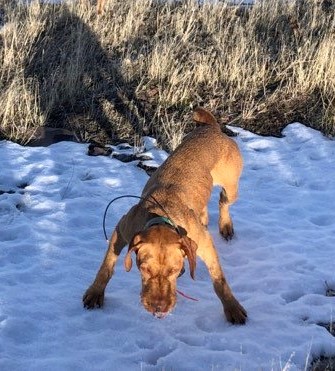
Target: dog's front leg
(234, 311)
(94, 295)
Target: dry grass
(142, 66)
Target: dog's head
(160, 253)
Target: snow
(51, 244)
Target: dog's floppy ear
(190, 249)
(134, 245)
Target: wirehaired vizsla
(169, 223)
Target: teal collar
(159, 220)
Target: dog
(170, 222)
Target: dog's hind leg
(228, 196)
(94, 295)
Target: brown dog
(169, 223)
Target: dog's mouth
(158, 311)
(158, 297)
(159, 308)
(160, 315)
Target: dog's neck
(159, 220)
(163, 220)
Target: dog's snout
(158, 296)
(159, 305)
(158, 308)
(160, 315)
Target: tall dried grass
(141, 66)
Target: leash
(186, 296)
(154, 202)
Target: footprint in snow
(318, 186)
(305, 299)
(87, 176)
(152, 357)
(322, 220)
(3, 319)
(211, 324)
(192, 340)
(256, 167)
(10, 234)
(317, 156)
(261, 145)
(292, 296)
(22, 331)
(146, 343)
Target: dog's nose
(160, 315)
(160, 310)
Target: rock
(147, 168)
(96, 149)
(125, 157)
(123, 146)
(44, 136)
(149, 143)
(143, 157)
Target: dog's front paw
(93, 298)
(234, 312)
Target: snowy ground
(51, 244)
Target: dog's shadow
(77, 78)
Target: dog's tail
(202, 116)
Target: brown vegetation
(141, 66)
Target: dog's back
(205, 157)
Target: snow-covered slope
(51, 245)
